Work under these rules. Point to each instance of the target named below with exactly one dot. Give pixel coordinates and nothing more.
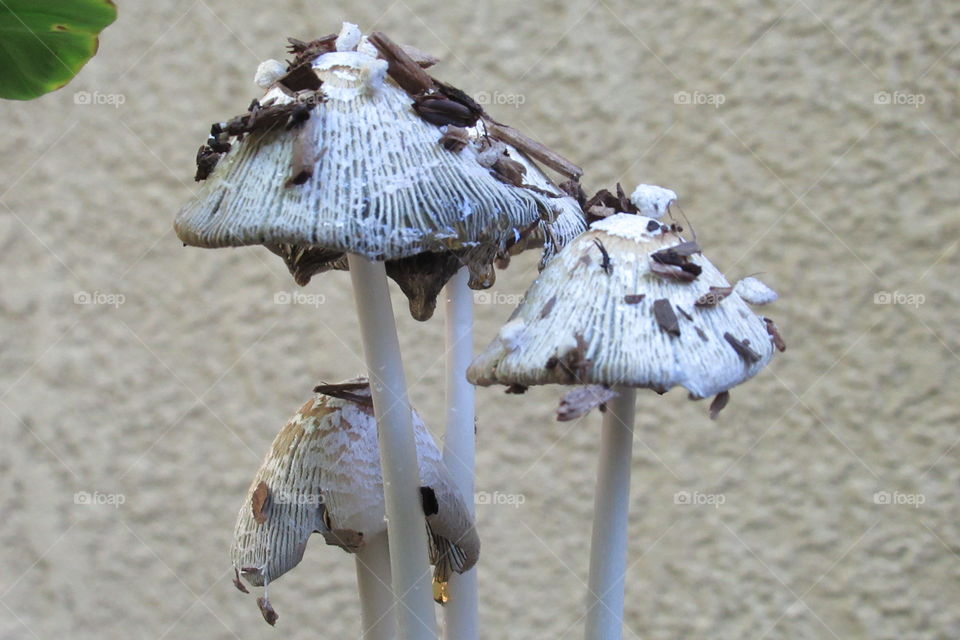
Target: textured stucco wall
(171, 398)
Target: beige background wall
(171, 398)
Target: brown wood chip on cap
(742, 348)
(258, 503)
(455, 139)
(672, 272)
(532, 148)
(402, 68)
(775, 336)
(666, 318)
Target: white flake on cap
(349, 37)
(269, 72)
(651, 200)
(755, 292)
(511, 334)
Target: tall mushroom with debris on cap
(349, 152)
(322, 475)
(629, 304)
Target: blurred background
(816, 143)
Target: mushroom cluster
(355, 158)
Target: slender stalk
(461, 612)
(376, 597)
(398, 454)
(608, 546)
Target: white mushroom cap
(322, 474)
(651, 200)
(632, 321)
(378, 182)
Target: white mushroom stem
(608, 546)
(376, 596)
(461, 612)
(398, 454)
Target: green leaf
(44, 43)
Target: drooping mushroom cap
(322, 474)
(629, 303)
(355, 170)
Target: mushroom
(322, 475)
(337, 157)
(620, 307)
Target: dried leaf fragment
(259, 501)
(719, 402)
(509, 170)
(236, 581)
(454, 139)
(775, 336)
(267, 611)
(679, 256)
(672, 272)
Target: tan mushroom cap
(380, 183)
(628, 319)
(322, 474)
